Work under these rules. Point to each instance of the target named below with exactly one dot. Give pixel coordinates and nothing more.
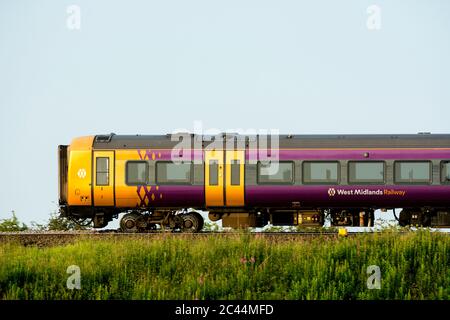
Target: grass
(414, 265)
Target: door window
(102, 174)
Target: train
(165, 181)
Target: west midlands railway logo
(365, 192)
(81, 173)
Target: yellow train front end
(75, 176)
(100, 178)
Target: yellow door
(103, 178)
(224, 178)
(214, 178)
(234, 171)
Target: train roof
(421, 140)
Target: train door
(234, 172)
(103, 178)
(224, 178)
(214, 186)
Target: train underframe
(184, 220)
(338, 217)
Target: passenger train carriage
(343, 177)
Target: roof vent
(104, 137)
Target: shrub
(12, 224)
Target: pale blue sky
(154, 66)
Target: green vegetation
(55, 222)
(12, 224)
(414, 265)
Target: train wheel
(426, 219)
(371, 221)
(199, 216)
(130, 222)
(355, 218)
(405, 218)
(192, 222)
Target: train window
(213, 172)
(366, 172)
(235, 173)
(173, 173)
(281, 172)
(445, 173)
(102, 171)
(412, 171)
(137, 173)
(320, 172)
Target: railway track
(49, 238)
(61, 238)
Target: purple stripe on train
(310, 154)
(171, 196)
(167, 154)
(341, 196)
(316, 196)
(351, 154)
